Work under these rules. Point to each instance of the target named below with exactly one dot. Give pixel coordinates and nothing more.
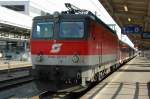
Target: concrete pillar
(25, 46)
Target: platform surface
(131, 81)
(9, 64)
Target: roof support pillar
(148, 15)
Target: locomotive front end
(58, 47)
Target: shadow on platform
(133, 70)
(122, 85)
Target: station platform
(13, 72)
(9, 64)
(131, 81)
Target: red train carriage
(126, 52)
(73, 47)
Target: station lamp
(125, 8)
(129, 19)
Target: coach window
(71, 30)
(44, 30)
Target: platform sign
(146, 35)
(131, 29)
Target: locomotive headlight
(39, 58)
(75, 59)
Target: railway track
(68, 93)
(58, 95)
(9, 78)
(74, 92)
(13, 82)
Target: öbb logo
(56, 48)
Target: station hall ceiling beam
(107, 2)
(140, 17)
(118, 1)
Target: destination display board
(131, 29)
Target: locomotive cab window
(71, 30)
(43, 30)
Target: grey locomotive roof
(77, 16)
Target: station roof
(12, 22)
(11, 17)
(137, 11)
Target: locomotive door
(100, 48)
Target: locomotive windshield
(43, 30)
(71, 30)
(59, 30)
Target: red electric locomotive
(74, 46)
